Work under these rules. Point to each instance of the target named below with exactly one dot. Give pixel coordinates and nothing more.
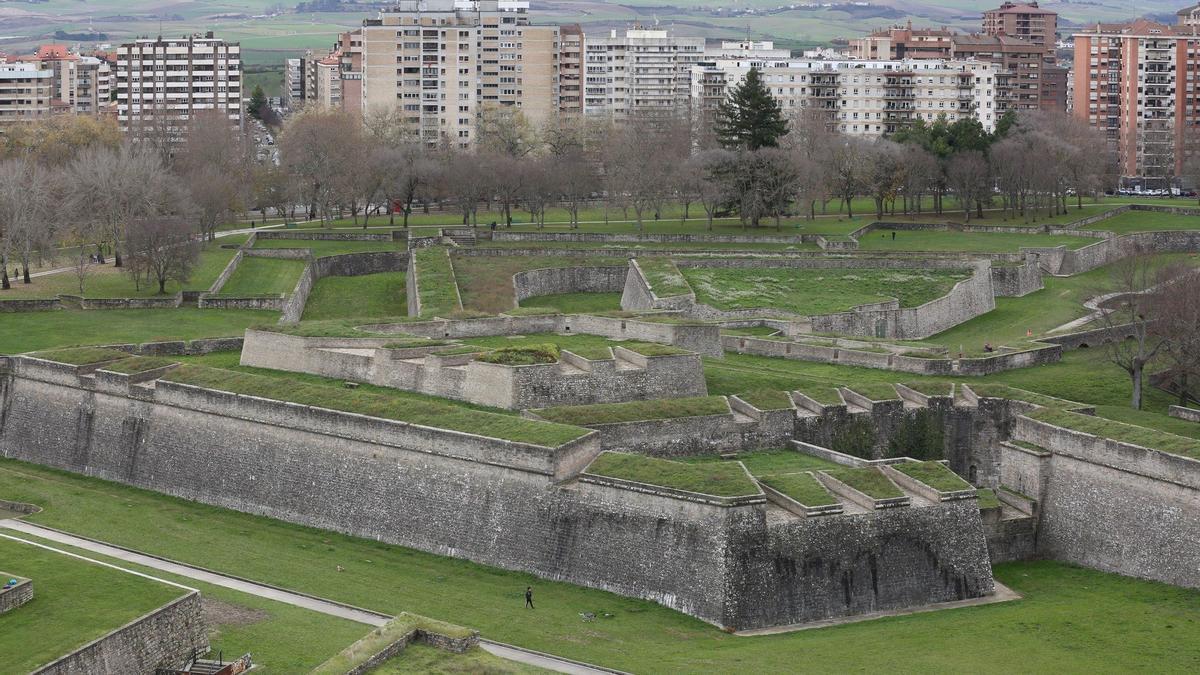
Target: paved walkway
(309, 602)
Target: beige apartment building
(25, 93)
(864, 98)
(570, 69)
(640, 73)
(443, 61)
(161, 83)
(79, 84)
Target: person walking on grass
(529, 597)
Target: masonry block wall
(160, 639)
(407, 486)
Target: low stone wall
(1009, 539)
(998, 363)
(1110, 250)
(638, 294)
(692, 436)
(12, 598)
(556, 280)
(360, 264)
(268, 302)
(181, 347)
(802, 352)
(293, 308)
(1189, 414)
(163, 638)
(30, 305)
(164, 302)
(327, 235)
(230, 267)
(279, 253)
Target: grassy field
(1147, 221)
(816, 291)
(1130, 624)
(770, 462)
(420, 658)
(1120, 431)
(636, 411)
(975, 242)
(28, 331)
(868, 480)
(435, 282)
(379, 295)
(576, 302)
(933, 474)
(663, 277)
(725, 479)
(263, 276)
(74, 602)
(107, 281)
(802, 487)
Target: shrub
(526, 355)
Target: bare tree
(712, 167)
(848, 164)
(1175, 306)
(635, 177)
(25, 199)
(883, 173)
(313, 149)
(970, 179)
(575, 177)
(538, 187)
(215, 163)
(162, 250)
(506, 131)
(1130, 340)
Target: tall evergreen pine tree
(258, 101)
(750, 118)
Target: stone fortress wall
(741, 565)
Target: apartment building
(294, 83)
(745, 49)
(639, 73)
(443, 61)
(1022, 46)
(1138, 83)
(865, 98)
(322, 79)
(1036, 26)
(25, 93)
(160, 83)
(570, 69)
(79, 84)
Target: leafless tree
(506, 131)
(848, 165)
(215, 163)
(575, 177)
(883, 173)
(1130, 340)
(970, 179)
(635, 176)
(111, 187)
(712, 167)
(465, 181)
(26, 194)
(507, 175)
(538, 187)
(921, 170)
(1175, 306)
(161, 250)
(313, 149)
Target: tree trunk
(1135, 374)
(4, 282)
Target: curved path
(310, 602)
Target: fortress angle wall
(406, 485)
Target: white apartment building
(293, 83)
(639, 73)
(444, 61)
(868, 98)
(161, 83)
(25, 91)
(93, 85)
(745, 49)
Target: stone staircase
(461, 236)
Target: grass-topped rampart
(664, 277)
(636, 411)
(426, 413)
(801, 486)
(869, 481)
(526, 355)
(767, 399)
(933, 474)
(435, 282)
(139, 364)
(721, 479)
(381, 638)
(1119, 431)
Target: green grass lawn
(868, 480)
(1121, 431)
(263, 276)
(975, 242)
(1091, 620)
(74, 602)
(27, 331)
(380, 295)
(816, 291)
(323, 248)
(1147, 221)
(107, 281)
(576, 302)
(282, 638)
(587, 346)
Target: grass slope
(802, 487)
(636, 411)
(576, 302)
(1131, 625)
(869, 481)
(379, 295)
(725, 479)
(933, 474)
(263, 276)
(435, 282)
